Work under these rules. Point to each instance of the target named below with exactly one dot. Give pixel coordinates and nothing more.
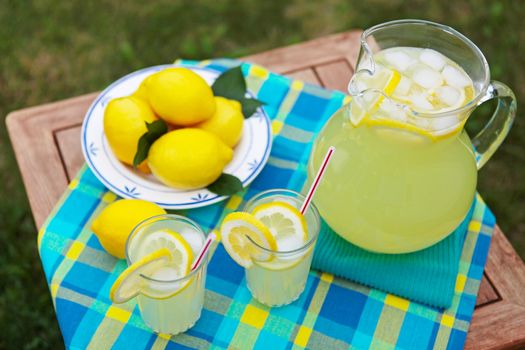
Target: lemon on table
(235, 230)
(226, 122)
(115, 223)
(180, 96)
(130, 282)
(124, 123)
(188, 158)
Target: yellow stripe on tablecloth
(259, 72)
(474, 226)
(39, 237)
(75, 250)
(303, 335)
(277, 126)
(397, 302)
(327, 277)
(118, 314)
(234, 202)
(297, 85)
(254, 316)
(73, 184)
(460, 283)
(109, 197)
(447, 320)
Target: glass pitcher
(404, 172)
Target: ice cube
(423, 123)
(288, 243)
(403, 87)
(420, 102)
(456, 78)
(444, 123)
(165, 273)
(392, 110)
(356, 86)
(388, 106)
(193, 238)
(399, 59)
(433, 59)
(449, 95)
(399, 115)
(427, 78)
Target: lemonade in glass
(274, 242)
(169, 294)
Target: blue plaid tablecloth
(331, 313)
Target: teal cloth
(427, 276)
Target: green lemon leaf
(230, 84)
(249, 106)
(226, 185)
(155, 130)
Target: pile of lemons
(203, 128)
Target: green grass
(56, 49)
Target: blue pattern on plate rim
(253, 164)
(200, 197)
(93, 149)
(132, 191)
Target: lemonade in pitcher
(404, 174)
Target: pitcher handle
(488, 140)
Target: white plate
(250, 154)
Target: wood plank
(497, 326)
(68, 141)
(311, 53)
(506, 270)
(307, 75)
(335, 75)
(487, 293)
(31, 133)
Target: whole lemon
(188, 158)
(226, 122)
(142, 91)
(180, 96)
(124, 123)
(116, 221)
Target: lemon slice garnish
(130, 282)
(385, 80)
(235, 230)
(182, 254)
(283, 220)
(432, 135)
(289, 227)
(151, 251)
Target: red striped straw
(205, 247)
(317, 179)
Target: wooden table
(46, 141)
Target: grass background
(51, 50)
